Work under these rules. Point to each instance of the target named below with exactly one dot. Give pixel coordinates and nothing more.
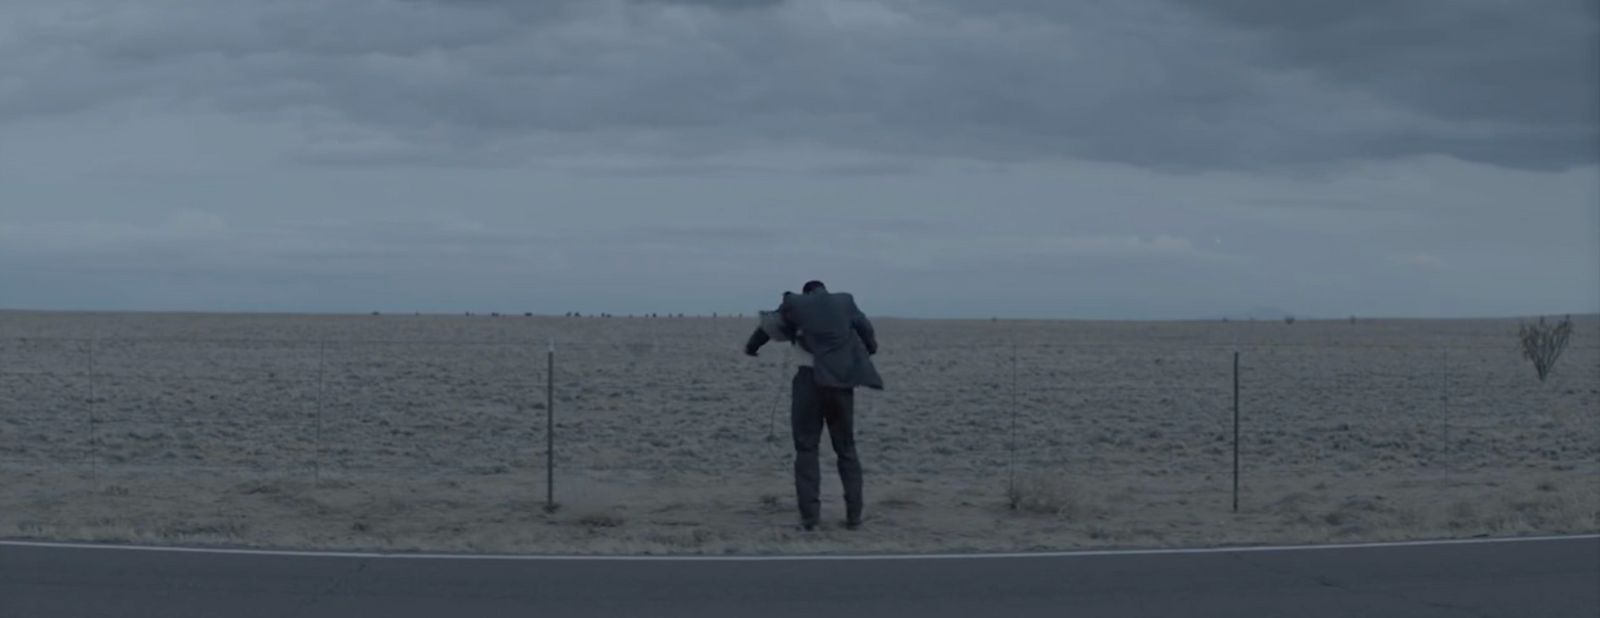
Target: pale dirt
(352, 432)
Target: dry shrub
(599, 520)
(1045, 494)
(210, 530)
(1461, 514)
(1543, 344)
(899, 501)
(696, 538)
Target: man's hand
(757, 339)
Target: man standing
(837, 341)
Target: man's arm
(863, 327)
(757, 339)
(761, 336)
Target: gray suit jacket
(838, 336)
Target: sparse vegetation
(599, 520)
(1126, 469)
(1542, 344)
(1046, 495)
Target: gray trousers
(810, 408)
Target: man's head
(813, 285)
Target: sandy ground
(428, 432)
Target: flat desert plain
(428, 432)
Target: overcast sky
(1015, 158)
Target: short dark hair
(813, 285)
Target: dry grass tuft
(599, 520)
(1045, 494)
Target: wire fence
(322, 408)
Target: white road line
(799, 557)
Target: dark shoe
(853, 524)
(808, 526)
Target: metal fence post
(1011, 442)
(322, 388)
(1236, 431)
(1444, 395)
(777, 397)
(94, 441)
(550, 429)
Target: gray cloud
(733, 5)
(1221, 86)
(1506, 82)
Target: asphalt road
(1552, 577)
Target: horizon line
(751, 314)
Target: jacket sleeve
(863, 327)
(757, 339)
(760, 337)
(791, 329)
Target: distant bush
(1288, 319)
(1543, 344)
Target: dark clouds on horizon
(174, 134)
